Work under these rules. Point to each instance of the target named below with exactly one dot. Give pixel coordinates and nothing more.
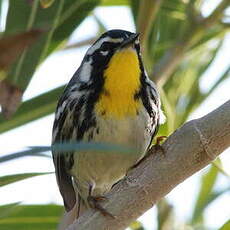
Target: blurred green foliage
(34, 217)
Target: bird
(110, 99)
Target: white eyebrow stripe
(86, 71)
(116, 40)
(98, 44)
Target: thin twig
(217, 14)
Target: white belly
(103, 169)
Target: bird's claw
(93, 202)
(158, 146)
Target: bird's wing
(64, 181)
(63, 129)
(61, 159)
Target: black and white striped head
(110, 42)
(99, 54)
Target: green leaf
(27, 153)
(32, 109)
(9, 179)
(134, 5)
(207, 184)
(214, 195)
(66, 147)
(114, 2)
(32, 217)
(167, 29)
(23, 16)
(73, 14)
(183, 88)
(46, 3)
(31, 152)
(6, 209)
(226, 226)
(60, 20)
(197, 96)
(165, 216)
(212, 33)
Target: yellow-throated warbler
(110, 99)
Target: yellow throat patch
(122, 81)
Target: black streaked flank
(78, 110)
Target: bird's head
(115, 49)
(110, 44)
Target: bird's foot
(94, 204)
(158, 146)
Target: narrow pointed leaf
(26, 153)
(67, 147)
(226, 226)
(114, 2)
(6, 209)
(165, 216)
(46, 3)
(207, 184)
(214, 195)
(9, 179)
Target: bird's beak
(129, 41)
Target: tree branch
(187, 150)
(217, 14)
